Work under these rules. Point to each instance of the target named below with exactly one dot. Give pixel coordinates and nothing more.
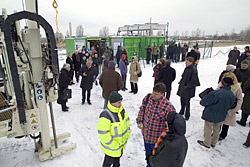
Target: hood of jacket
(179, 125)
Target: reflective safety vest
(114, 130)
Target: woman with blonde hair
(231, 113)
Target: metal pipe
(53, 123)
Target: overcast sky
(211, 16)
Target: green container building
(133, 45)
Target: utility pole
(167, 34)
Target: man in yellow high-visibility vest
(114, 130)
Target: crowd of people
(162, 127)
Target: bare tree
(104, 32)
(79, 31)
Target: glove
(135, 73)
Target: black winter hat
(114, 97)
(227, 81)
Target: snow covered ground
(82, 122)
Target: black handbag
(67, 94)
(140, 73)
(205, 92)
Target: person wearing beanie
(229, 68)
(171, 148)
(123, 64)
(64, 81)
(216, 104)
(110, 80)
(114, 130)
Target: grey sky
(183, 15)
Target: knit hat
(111, 64)
(227, 81)
(230, 67)
(66, 65)
(114, 97)
(123, 57)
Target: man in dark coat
(118, 55)
(187, 86)
(184, 51)
(64, 81)
(161, 51)
(233, 56)
(216, 104)
(69, 60)
(245, 105)
(149, 50)
(110, 80)
(77, 59)
(173, 149)
(167, 76)
(193, 54)
(243, 56)
(88, 74)
(243, 73)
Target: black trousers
(63, 104)
(108, 161)
(84, 95)
(124, 78)
(185, 107)
(224, 130)
(77, 75)
(156, 58)
(168, 93)
(244, 117)
(134, 87)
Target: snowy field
(82, 122)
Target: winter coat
(231, 114)
(77, 63)
(167, 76)
(95, 64)
(194, 55)
(110, 80)
(216, 104)
(242, 76)
(71, 63)
(157, 69)
(134, 68)
(155, 50)
(242, 57)
(175, 50)
(105, 64)
(233, 57)
(114, 130)
(123, 67)
(64, 81)
(149, 50)
(118, 54)
(87, 81)
(184, 50)
(188, 82)
(172, 151)
(246, 105)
